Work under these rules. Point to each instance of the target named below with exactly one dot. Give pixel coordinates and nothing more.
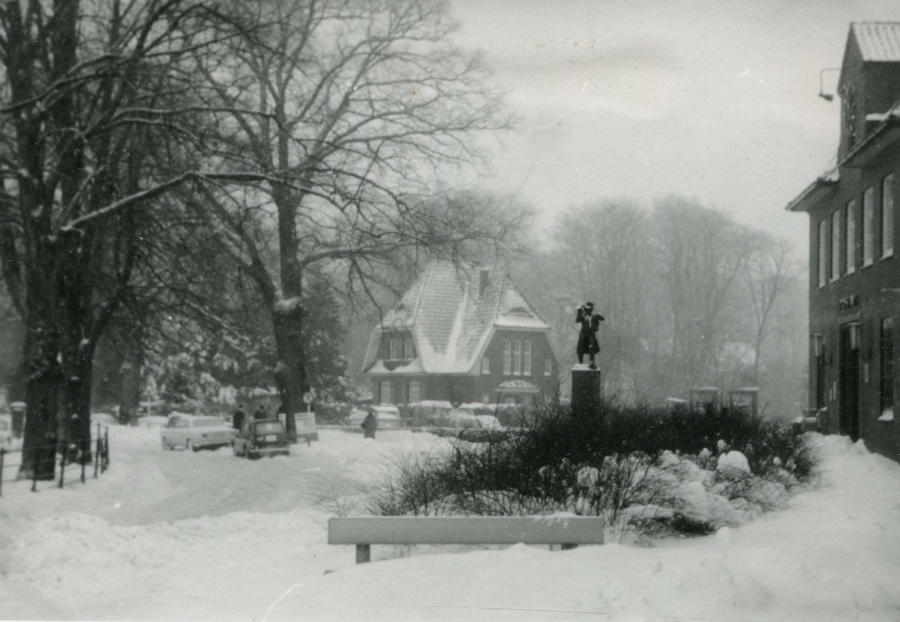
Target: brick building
(462, 334)
(854, 293)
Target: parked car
(261, 437)
(196, 433)
(388, 417)
(6, 433)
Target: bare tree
(94, 127)
(770, 271)
(602, 252)
(701, 255)
(354, 112)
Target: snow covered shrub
(657, 471)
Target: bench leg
(363, 553)
(568, 547)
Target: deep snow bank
(181, 535)
(834, 554)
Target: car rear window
(207, 423)
(269, 427)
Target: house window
(386, 392)
(851, 237)
(887, 365)
(414, 392)
(394, 353)
(507, 357)
(868, 226)
(823, 227)
(835, 245)
(887, 216)
(485, 365)
(517, 358)
(526, 358)
(408, 351)
(548, 367)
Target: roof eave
(813, 193)
(883, 137)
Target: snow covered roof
(451, 311)
(878, 41)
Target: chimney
(483, 280)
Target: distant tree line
(691, 298)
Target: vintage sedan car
(261, 437)
(388, 417)
(196, 432)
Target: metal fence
(75, 460)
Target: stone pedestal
(587, 390)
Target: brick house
(854, 294)
(462, 334)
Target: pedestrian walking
(370, 425)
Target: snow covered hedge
(653, 470)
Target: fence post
(62, 464)
(85, 447)
(97, 453)
(104, 463)
(2, 454)
(34, 470)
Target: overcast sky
(641, 98)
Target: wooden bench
(366, 531)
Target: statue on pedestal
(587, 336)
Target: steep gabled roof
(878, 41)
(451, 318)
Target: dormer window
(394, 352)
(408, 350)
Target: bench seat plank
(466, 530)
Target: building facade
(462, 334)
(854, 277)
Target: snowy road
(182, 535)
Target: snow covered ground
(179, 535)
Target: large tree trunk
(77, 407)
(287, 314)
(290, 375)
(41, 396)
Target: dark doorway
(849, 381)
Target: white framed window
(485, 365)
(507, 357)
(409, 352)
(887, 216)
(851, 237)
(386, 392)
(823, 243)
(836, 245)
(548, 367)
(526, 358)
(517, 358)
(414, 389)
(868, 226)
(394, 351)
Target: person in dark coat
(260, 414)
(587, 336)
(238, 419)
(369, 425)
